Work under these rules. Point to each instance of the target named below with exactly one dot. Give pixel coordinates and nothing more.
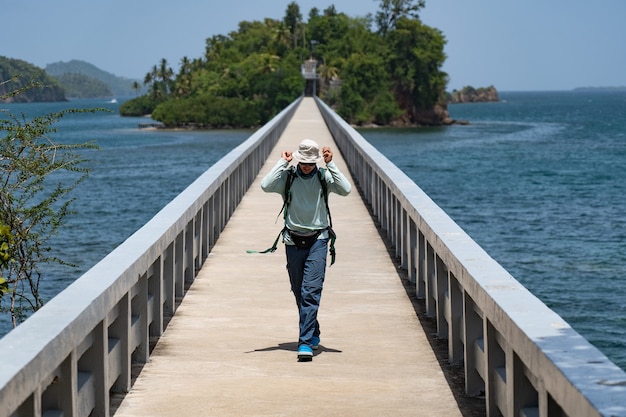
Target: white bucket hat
(308, 152)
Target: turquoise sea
(538, 179)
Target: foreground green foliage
(388, 76)
(37, 174)
(6, 246)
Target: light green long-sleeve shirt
(307, 209)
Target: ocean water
(135, 173)
(538, 180)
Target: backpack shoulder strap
(321, 176)
(331, 232)
(291, 175)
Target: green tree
(151, 78)
(37, 175)
(293, 20)
(415, 60)
(184, 77)
(365, 79)
(136, 87)
(81, 86)
(327, 75)
(391, 11)
(281, 38)
(368, 76)
(165, 74)
(22, 82)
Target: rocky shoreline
(470, 94)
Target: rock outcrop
(470, 94)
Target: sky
(530, 45)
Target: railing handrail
(67, 356)
(521, 354)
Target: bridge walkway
(230, 350)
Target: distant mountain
(82, 86)
(599, 89)
(16, 74)
(119, 86)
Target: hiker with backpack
(308, 228)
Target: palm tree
(156, 91)
(165, 74)
(327, 74)
(281, 36)
(214, 48)
(136, 86)
(268, 63)
(293, 19)
(183, 80)
(151, 76)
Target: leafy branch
(37, 175)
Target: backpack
(321, 172)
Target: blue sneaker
(305, 353)
(315, 342)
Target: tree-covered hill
(119, 86)
(383, 69)
(32, 82)
(82, 86)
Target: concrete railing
(68, 357)
(523, 356)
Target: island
(469, 94)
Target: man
(306, 232)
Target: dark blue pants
(307, 269)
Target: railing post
(441, 295)
(60, 390)
(413, 249)
(422, 265)
(93, 373)
(523, 394)
(139, 320)
(496, 375)
(430, 282)
(188, 250)
(405, 242)
(455, 321)
(474, 348)
(211, 221)
(179, 263)
(197, 245)
(155, 298)
(397, 229)
(119, 337)
(168, 278)
(206, 236)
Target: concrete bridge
(180, 321)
